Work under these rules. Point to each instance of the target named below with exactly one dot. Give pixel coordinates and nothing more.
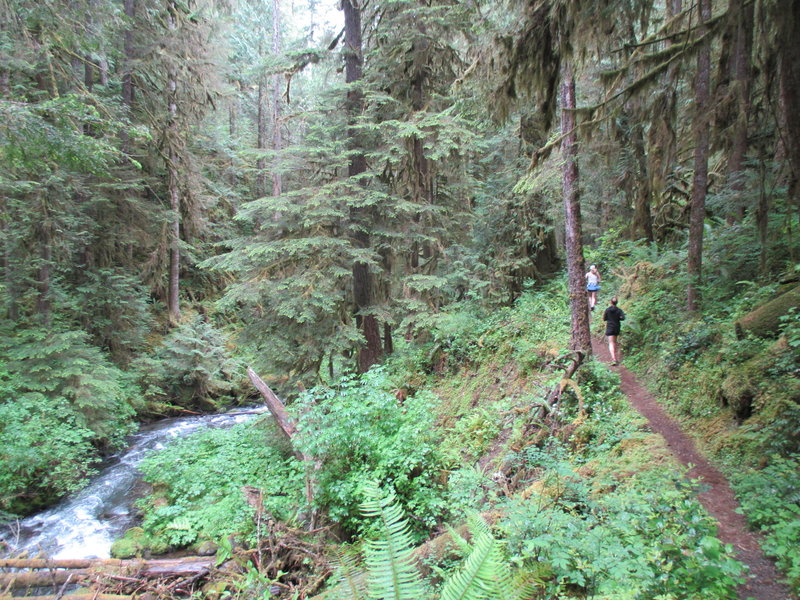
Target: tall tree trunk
(662, 140)
(173, 300)
(43, 299)
(277, 141)
(127, 70)
(261, 138)
(789, 68)
(12, 311)
(578, 301)
(127, 74)
(88, 73)
(741, 72)
(371, 351)
(233, 110)
(762, 217)
(102, 67)
(642, 220)
(700, 179)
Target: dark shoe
(591, 308)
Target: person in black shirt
(612, 316)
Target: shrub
(771, 500)
(199, 485)
(360, 432)
(630, 543)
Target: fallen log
(765, 321)
(43, 563)
(274, 404)
(278, 410)
(85, 563)
(87, 596)
(59, 571)
(15, 581)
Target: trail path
(718, 499)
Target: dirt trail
(718, 499)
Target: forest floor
(718, 499)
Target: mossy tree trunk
(579, 305)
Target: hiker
(592, 285)
(612, 316)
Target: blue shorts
(592, 288)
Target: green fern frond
(392, 572)
(483, 576)
(461, 543)
(477, 525)
(350, 577)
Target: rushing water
(87, 523)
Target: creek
(85, 524)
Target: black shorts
(612, 329)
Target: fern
(350, 577)
(477, 579)
(392, 574)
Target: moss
(764, 321)
(136, 542)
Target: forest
(378, 217)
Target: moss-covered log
(765, 320)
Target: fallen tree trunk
(59, 572)
(278, 410)
(764, 321)
(87, 596)
(274, 404)
(15, 581)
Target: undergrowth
(587, 501)
(739, 394)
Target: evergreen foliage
(190, 368)
(62, 404)
(391, 572)
(134, 156)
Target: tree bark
(129, 8)
(371, 351)
(274, 404)
(74, 571)
(261, 138)
(789, 70)
(700, 178)
(277, 141)
(173, 300)
(741, 70)
(662, 140)
(578, 300)
(642, 220)
(44, 306)
(127, 74)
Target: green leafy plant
(391, 571)
(771, 501)
(199, 484)
(631, 541)
(359, 432)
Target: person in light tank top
(593, 285)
